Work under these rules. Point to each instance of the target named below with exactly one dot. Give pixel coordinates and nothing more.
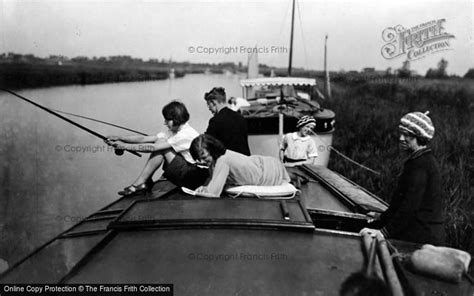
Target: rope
(297, 114)
(353, 161)
(302, 34)
(388, 267)
(346, 157)
(283, 23)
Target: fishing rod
(100, 121)
(117, 151)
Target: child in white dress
(299, 148)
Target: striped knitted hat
(419, 124)
(305, 120)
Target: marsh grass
(367, 116)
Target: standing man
(227, 125)
(416, 212)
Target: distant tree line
(120, 61)
(371, 74)
(28, 71)
(34, 75)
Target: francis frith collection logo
(416, 42)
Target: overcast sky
(172, 29)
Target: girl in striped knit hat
(416, 130)
(416, 211)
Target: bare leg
(153, 163)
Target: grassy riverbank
(367, 115)
(19, 71)
(16, 76)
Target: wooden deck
(148, 238)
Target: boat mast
(327, 84)
(291, 38)
(282, 96)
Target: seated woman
(229, 168)
(299, 148)
(170, 148)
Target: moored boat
(275, 105)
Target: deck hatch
(355, 196)
(214, 212)
(88, 227)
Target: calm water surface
(53, 174)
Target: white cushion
(284, 191)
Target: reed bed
(367, 116)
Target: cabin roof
(243, 245)
(277, 81)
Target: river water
(53, 174)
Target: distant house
(5, 58)
(368, 70)
(407, 73)
(56, 60)
(12, 58)
(371, 72)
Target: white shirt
(181, 140)
(297, 147)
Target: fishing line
(100, 121)
(117, 151)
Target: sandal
(132, 189)
(148, 182)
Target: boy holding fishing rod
(170, 149)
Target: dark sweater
(230, 128)
(416, 212)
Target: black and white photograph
(236, 147)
